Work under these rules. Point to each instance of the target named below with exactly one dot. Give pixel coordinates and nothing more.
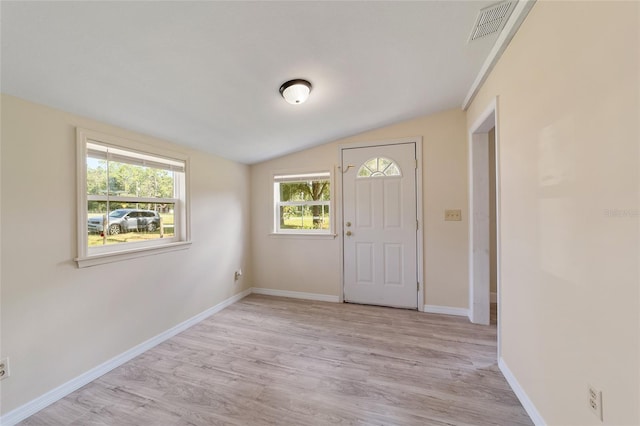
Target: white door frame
(479, 238)
(419, 216)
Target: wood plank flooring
(276, 361)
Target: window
(132, 199)
(377, 167)
(302, 203)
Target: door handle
(348, 233)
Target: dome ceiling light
(295, 91)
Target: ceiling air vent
(491, 19)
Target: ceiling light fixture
(295, 91)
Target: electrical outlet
(595, 402)
(453, 215)
(237, 275)
(4, 368)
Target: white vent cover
(491, 19)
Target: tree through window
(129, 198)
(302, 203)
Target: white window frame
(90, 256)
(297, 176)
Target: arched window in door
(377, 167)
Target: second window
(302, 203)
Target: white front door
(380, 225)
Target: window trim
(296, 176)
(116, 253)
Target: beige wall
(569, 169)
(313, 265)
(59, 321)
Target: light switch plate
(453, 215)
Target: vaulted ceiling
(206, 74)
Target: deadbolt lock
(348, 224)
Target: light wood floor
(276, 361)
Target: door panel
(130, 222)
(393, 260)
(364, 263)
(392, 197)
(364, 205)
(379, 217)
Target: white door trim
(419, 215)
(478, 300)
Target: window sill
(118, 256)
(303, 235)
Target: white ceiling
(206, 74)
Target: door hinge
(418, 286)
(417, 225)
(416, 160)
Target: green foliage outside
(97, 240)
(305, 216)
(128, 180)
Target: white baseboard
(493, 297)
(296, 294)
(446, 310)
(531, 410)
(32, 407)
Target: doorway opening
(484, 219)
(493, 236)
